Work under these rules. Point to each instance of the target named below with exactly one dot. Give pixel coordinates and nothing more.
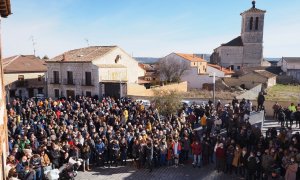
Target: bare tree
(167, 102)
(171, 71)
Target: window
(251, 23)
(56, 93)
(21, 78)
(40, 90)
(39, 78)
(203, 68)
(20, 93)
(56, 77)
(88, 94)
(256, 23)
(12, 93)
(238, 67)
(70, 77)
(194, 63)
(88, 78)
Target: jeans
(197, 160)
(38, 174)
(162, 159)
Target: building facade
(92, 71)
(24, 76)
(247, 49)
(5, 11)
(291, 67)
(199, 72)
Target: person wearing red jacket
(197, 151)
(220, 157)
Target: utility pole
(87, 42)
(33, 44)
(214, 93)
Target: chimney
(64, 57)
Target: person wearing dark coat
(260, 101)
(55, 156)
(252, 163)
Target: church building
(245, 50)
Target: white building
(92, 71)
(199, 71)
(291, 66)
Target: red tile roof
(23, 64)
(191, 57)
(226, 71)
(87, 54)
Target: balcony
(87, 83)
(69, 82)
(54, 81)
(22, 83)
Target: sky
(147, 28)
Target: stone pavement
(183, 172)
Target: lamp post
(214, 87)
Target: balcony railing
(23, 83)
(54, 81)
(69, 82)
(87, 83)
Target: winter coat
(291, 171)
(236, 158)
(220, 153)
(196, 149)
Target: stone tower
(252, 36)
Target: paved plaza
(183, 172)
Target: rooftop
(191, 57)
(265, 73)
(292, 59)
(253, 9)
(226, 71)
(87, 54)
(23, 64)
(235, 42)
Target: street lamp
(214, 87)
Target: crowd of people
(104, 132)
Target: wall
(133, 69)
(294, 74)
(230, 55)
(78, 70)
(11, 79)
(139, 90)
(113, 74)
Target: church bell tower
(252, 35)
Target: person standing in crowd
(252, 163)
(220, 157)
(149, 154)
(176, 146)
(275, 108)
(291, 170)
(196, 150)
(260, 101)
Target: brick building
(5, 10)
